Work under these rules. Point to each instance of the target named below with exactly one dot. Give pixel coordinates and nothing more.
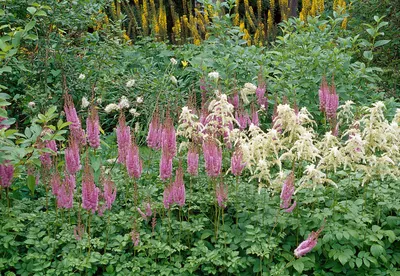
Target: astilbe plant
(189, 127)
(307, 245)
(133, 161)
(93, 128)
(221, 194)
(178, 188)
(148, 211)
(90, 193)
(237, 163)
(6, 174)
(287, 193)
(192, 160)
(55, 183)
(262, 98)
(46, 157)
(155, 132)
(72, 116)
(72, 156)
(65, 193)
(108, 195)
(168, 147)
(212, 157)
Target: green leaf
(6, 69)
(381, 43)
(298, 265)
(359, 262)
(31, 10)
(41, 13)
(30, 26)
(31, 183)
(377, 250)
(368, 55)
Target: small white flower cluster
(85, 102)
(213, 75)
(123, 103)
(173, 61)
(81, 76)
(111, 107)
(134, 112)
(130, 83)
(173, 80)
(31, 104)
(139, 100)
(248, 89)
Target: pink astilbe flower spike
(262, 100)
(192, 160)
(6, 174)
(109, 192)
(168, 138)
(254, 116)
(55, 183)
(93, 128)
(90, 193)
(148, 212)
(323, 94)
(237, 164)
(45, 157)
(178, 188)
(72, 116)
(212, 157)
(234, 100)
(135, 235)
(243, 118)
(168, 196)
(133, 162)
(72, 157)
(332, 102)
(287, 193)
(221, 193)
(165, 165)
(155, 132)
(307, 245)
(79, 230)
(65, 194)
(123, 138)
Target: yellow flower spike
(270, 21)
(184, 63)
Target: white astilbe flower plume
(248, 89)
(221, 119)
(312, 178)
(345, 114)
(189, 126)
